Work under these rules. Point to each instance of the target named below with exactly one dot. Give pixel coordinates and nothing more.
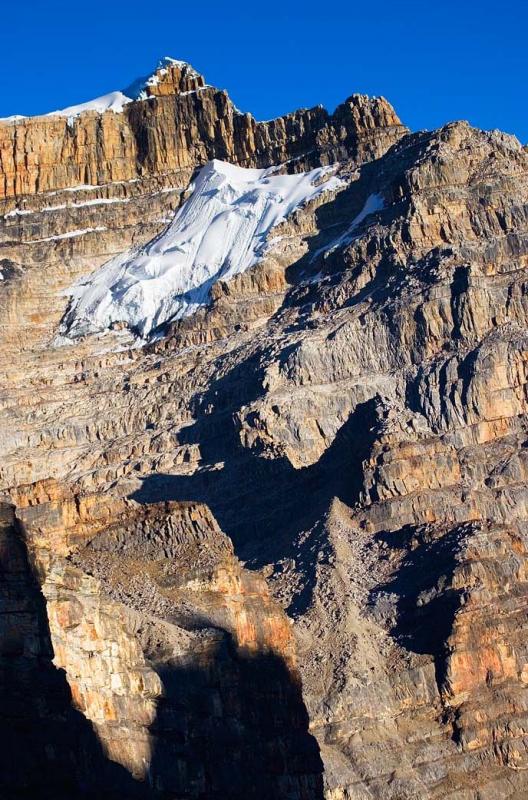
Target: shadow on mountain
(263, 504)
(233, 725)
(49, 749)
(326, 265)
(229, 725)
(427, 603)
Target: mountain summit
(169, 77)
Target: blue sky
(434, 61)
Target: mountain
(264, 423)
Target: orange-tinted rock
(195, 613)
(182, 124)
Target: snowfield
(113, 101)
(221, 230)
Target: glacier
(221, 230)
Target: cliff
(179, 124)
(174, 656)
(286, 536)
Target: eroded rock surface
(347, 418)
(182, 123)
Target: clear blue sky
(435, 61)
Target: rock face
(143, 623)
(281, 551)
(182, 124)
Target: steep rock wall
(174, 657)
(181, 125)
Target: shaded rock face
(141, 659)
(49, 747)
(347, 420)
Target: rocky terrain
(279, 549)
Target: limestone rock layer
(280, 551)
(181, 124)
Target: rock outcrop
(316, 483)
(181, 124)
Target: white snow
(81, 187)
(68, 235)
(373, 203)
(17, 212)
(88, 187)
(101, 201)
(220, 231)
(113, 101)
(98, 201)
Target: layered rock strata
(352, 411)
(179, 125)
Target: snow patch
(101, 201)
(113, 101)
(16, 212)
(88, 187)
(221, 230)
(69, 235)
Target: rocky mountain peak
(170, 122)
(171, 76)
